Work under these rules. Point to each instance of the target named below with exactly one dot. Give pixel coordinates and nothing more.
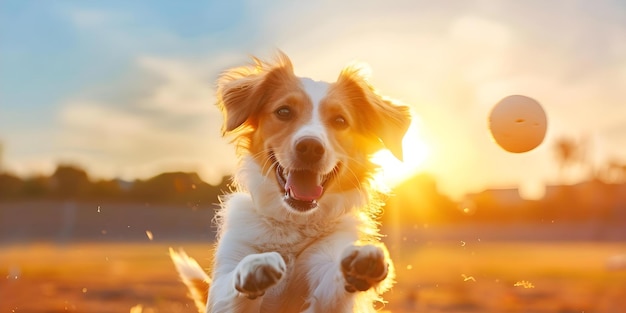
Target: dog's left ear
(378, 115)
(391, 121)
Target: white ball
(518, 123)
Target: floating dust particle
(98, 209)
(84, 290)
(149, 234)
(462, 243)
(524, 284)
(468, 278)
(409, 267)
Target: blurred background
(110, 147)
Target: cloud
(186, 88)
(84, 18)
(170, 124)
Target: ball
(518, 123)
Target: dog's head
(310, 138)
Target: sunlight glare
(393, 171)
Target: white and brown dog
(300, 233)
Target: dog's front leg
(240, 288)
(344, 276)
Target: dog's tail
(193, 276)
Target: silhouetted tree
(10, 186)
(106, 190)
(35, 187)
(70, 182)
(178, 187)
(570, 153)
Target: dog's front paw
(257, 272)
(363, 267)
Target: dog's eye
(283, 113)
(340, 122)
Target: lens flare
(393, 171)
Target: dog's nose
(309, 149)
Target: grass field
(436, 277)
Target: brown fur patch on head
(242, 92)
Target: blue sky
(126, 88)
(64, 47)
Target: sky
(127, 88)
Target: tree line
(70, 182)
(601, 194)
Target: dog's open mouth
(303, 188)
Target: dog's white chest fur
(288, 236)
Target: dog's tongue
(304, 185)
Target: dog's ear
(242, 91)
(236, 98)
(378, 115)
(239, 95)
(391, 123)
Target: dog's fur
(299, 234)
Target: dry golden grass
(92, 278)
(440, 277)
(509, 277)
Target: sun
(393, 171)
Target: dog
(299, 232)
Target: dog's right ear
(237, 95)
(242, 91)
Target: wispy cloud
(171, 123)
